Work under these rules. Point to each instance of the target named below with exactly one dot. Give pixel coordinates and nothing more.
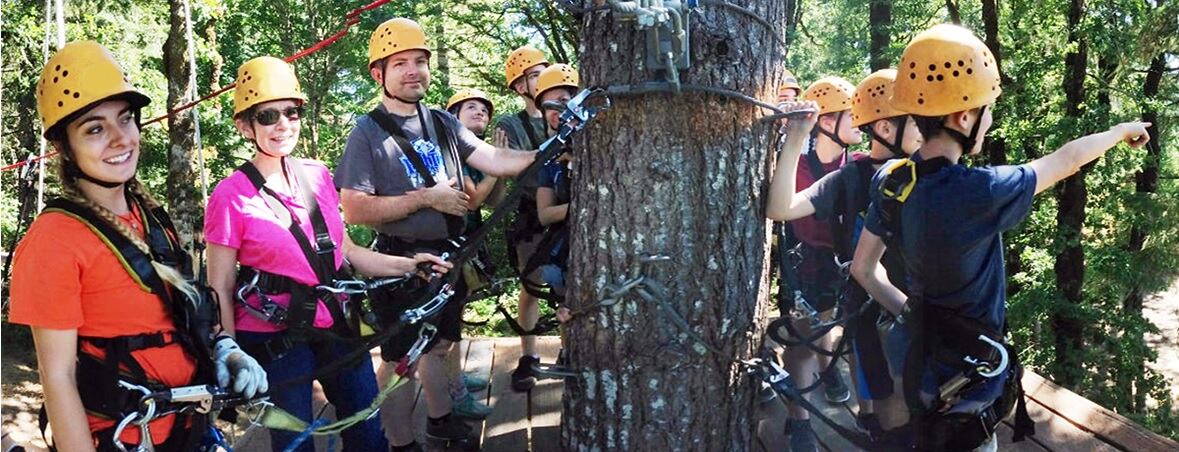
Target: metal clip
(413, 316)
(425, 335)
(248, 287)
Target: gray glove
(249, 378)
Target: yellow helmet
(264, 79)
(393, 36)
(831, 93)
(468, 94)
(79, 75)
(789, 81)
(556, 76)
(945, 69)
(520, 60)
(870, 102)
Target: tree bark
(683, 175)
(879, 18)
(1072, 195)
(952, 9)
(183, 181)
(441, 50)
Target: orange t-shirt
(65, 277)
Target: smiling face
(105, 141)
(560, 95)
(277, 139)
(406, 75)
(474, 115)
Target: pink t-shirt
(238, 217)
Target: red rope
(350, 19)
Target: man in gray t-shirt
(381, 186)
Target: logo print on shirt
(431, 157)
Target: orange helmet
(264, 79)
(79, 75)
(831, 93)
(394, 36)
(468, 94)
(789, 81)
(556, 76)
(945, 69)
(870, 101)
(520, 60)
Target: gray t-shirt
(373, 163)
(518, 138)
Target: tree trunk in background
(879, 18)
(216, 61)
(952, 10)
(1070, 218)
(682, 175)
(1146, 184)
(793, 15)
(440, 51)
(995, 147)
(184, 196)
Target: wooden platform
(530, 421)
(1065, 421)
(519, 422)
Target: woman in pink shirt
(279, 217)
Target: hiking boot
(523, 378)
(834, 389)
(802, 437)
(448, 427)
(469, 408)
(474, 383)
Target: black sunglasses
(269, 116)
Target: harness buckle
(274, 312)
(416, 315)
(324, 244)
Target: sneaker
(802, 437)
(523, 378)
(834, 388)
(469, 408)
(474, 383)
(450, 427)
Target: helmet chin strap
(967, 141)
(895, 147)
(834, 136)
(391, 96)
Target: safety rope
(350, 19)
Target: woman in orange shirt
(101, 277)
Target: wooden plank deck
(531, 421)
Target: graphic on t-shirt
(431, 157)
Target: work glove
(249, 379)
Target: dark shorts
(390, 304)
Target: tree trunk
(441, 50)
(879, 18)
(952, 10)
(1146, 183)
(216, 61)
(793, 15)
(683, 175)
(184, 198)
(1070, 218)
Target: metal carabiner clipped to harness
(425, 335)
(414, 316)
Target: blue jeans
(350, 390)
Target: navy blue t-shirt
(556, 176)
(951, 238)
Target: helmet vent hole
(65, 74)
(969, 71)
(948, 65)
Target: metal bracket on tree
(665, 23)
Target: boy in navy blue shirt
(841, 198)
(947, 222)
